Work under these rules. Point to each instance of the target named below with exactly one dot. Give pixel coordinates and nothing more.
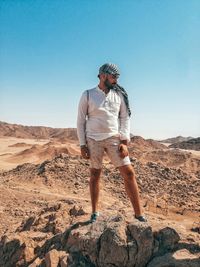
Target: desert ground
(40, 175)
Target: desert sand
(15, 151)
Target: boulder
(165, 240)
(112, 242)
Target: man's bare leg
(131, 187)
(94, 188)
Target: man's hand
(85, 152)
(123, 150)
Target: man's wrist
(124, 142)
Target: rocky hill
(192, 144)
(39, 132)
(154, 179)
(47, 209)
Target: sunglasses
(114, 76)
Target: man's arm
(124, 123)
(81, 125)
(124, 129)
(81, 119)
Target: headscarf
(120, 89)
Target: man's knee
(95, 173)
(127, 172)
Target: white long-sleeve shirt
(101, 116)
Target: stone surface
(29, 254)
(166, 239)
(141, 236)
(180, 258)
(52, 258)
(35, 263)
(64, 261)
(113, 243)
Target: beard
(109, 85)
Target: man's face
(110, 81)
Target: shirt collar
(101, 91)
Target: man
(103, 124)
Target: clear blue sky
(50, 51)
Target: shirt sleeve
(81, 119)
(124, 121)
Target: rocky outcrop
(192, 144)
(108, 242)
(111, 242)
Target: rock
(38, 236)
(36, 263)
(68, 201)
(52, 258)
(64, 260)
(183, 254)
(50, 227)
(76, 211)
(141, 237)
(11, 252)
(166, 239)
(180, 258)
(29, 254)
(55, 207)
(111, 242)
(26, 224)
(113, 247)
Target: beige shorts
(110, 145)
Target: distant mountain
(177, 139)
(38, 132)
(145, 144)
(191, 144)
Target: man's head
(108, 75)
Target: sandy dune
(15, 151)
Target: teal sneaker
(141, 218)
(94, 216)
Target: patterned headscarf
(109, 68)
(120, 89)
